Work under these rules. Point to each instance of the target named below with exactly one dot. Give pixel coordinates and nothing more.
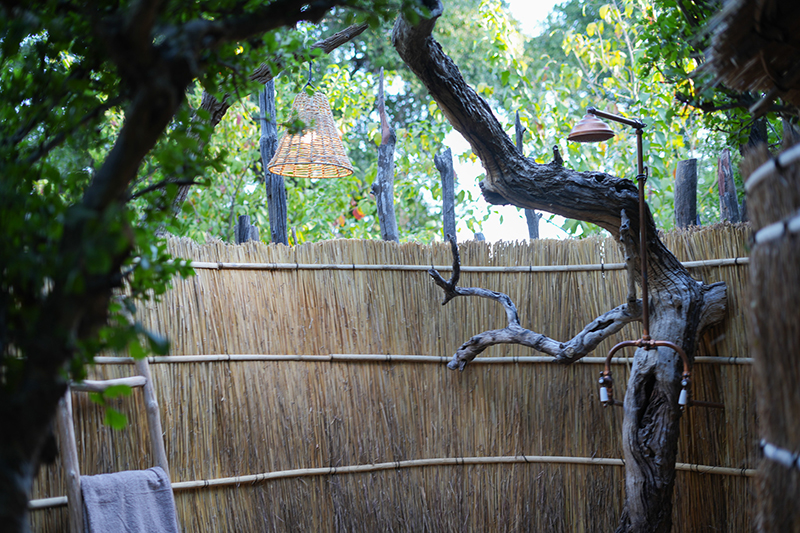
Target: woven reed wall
(236, 418)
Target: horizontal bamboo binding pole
(731, 261)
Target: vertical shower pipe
(606, 383)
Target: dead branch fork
(564, 352)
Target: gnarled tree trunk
(680, 307)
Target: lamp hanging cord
(310, 77)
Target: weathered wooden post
(276, 189)
(728, 202)
(686, 193)
(383, 186)
(444, 164)
(531, 216)
(244, 231)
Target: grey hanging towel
(134, 501)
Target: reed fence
(316, 399)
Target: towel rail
(69, 447)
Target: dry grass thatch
(234, 418)
(754, 47)
(774, 202)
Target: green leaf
(115, 391)
(115, 419)
(136, 350)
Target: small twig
(264, 72)
(160, 185)
(47, 147)
(557, 159)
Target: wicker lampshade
(318, 151)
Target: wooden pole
(276, 188)
(393, 359)
(531, 216)
(69, 456)
(244, 231)
(444, 164)
(100, 386)
(728, 202)
(686, 193)
(251, 479)
(704, 263)
(153, 416)
(383, 186)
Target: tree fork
(680, 307)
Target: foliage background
(620, 56)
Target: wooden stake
(69, 456)
(728, 202)
(686, 193)
(153, 416)
(531, 216)
(444, 164)
(244, 231)
(383, 186)
(393, 359)
(276, 188)
(419, 463)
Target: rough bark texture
(444, 164)
(216, 110)
(531, 216)
(275, 185)
(383, 186)
(728, 201)
(681, 308)
(532, 220)
(686, 193)
(244, 231)
(775, 339)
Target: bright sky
(530, 13)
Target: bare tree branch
(138, 26)
(264, 72)
(579, 346)
(160, 185)
(682, 308)
(511, 178)
(58, 139)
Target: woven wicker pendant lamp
(318, 151)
